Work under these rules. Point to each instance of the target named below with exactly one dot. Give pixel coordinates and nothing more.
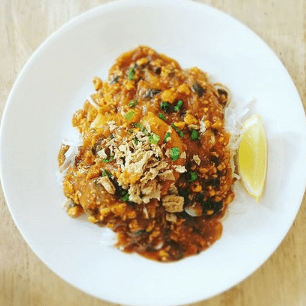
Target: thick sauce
(154, 165)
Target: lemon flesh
(252, 156)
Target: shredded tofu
(141, 165)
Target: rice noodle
(234, 118)
(92, 102)
(74, 143)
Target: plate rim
(66, 27)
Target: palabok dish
(153, 163)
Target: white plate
(56, 81)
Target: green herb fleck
(108, 160)
(131, 74)
(136, 141)
(126, 197)
(142, 128)
(175, 153)
(178, 106)
(129, 115)
(192, 176)
(161, 116)
(154, 138)
(194, 135)
(167, 135)
(106, 173)
(165, 106)
(177, 130)
(111, 136)
(133, 103)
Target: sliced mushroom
(223, 91)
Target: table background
(24, 279)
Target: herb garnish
(106, 173)
(167, 135)
(161, 116)
(142, 128)
(129, 115)
(108, 160)
(154, 138)
(194, 135)
(177, 130)
(165, 106)
(192, 176)
(133, 103)
(131, 74)
(126, 197)
(175, 153)
(178, 106)
(136, 141)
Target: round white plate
(56, 81)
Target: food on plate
(252, 156)
(153, 162)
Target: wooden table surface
(24, 279)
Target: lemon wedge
(252, 156)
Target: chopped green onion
(161, 116)
(194, 135)
(133, 103)
(177, 130)
(154, 138)
(178, 106)
(126, 197)
(131, 74)
(136, 141)
(142, 128)
(129, 115)
(167, 135)
(165, 106)
(192, 176)
(108, 160)
(175, 153)
(106, 173)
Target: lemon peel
(252, 156)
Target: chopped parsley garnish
(129, 115)
(133, 103)
(167, 135)
(106, 173)
(178, 106)
(161, 116)
(175, 153)
(108, 160)
(165, 106)
(154, 138)
(177, 130)
(136, 141)
(111, 136)
(131, 74)
(192, 176)
(126, 197)
(194, 135)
